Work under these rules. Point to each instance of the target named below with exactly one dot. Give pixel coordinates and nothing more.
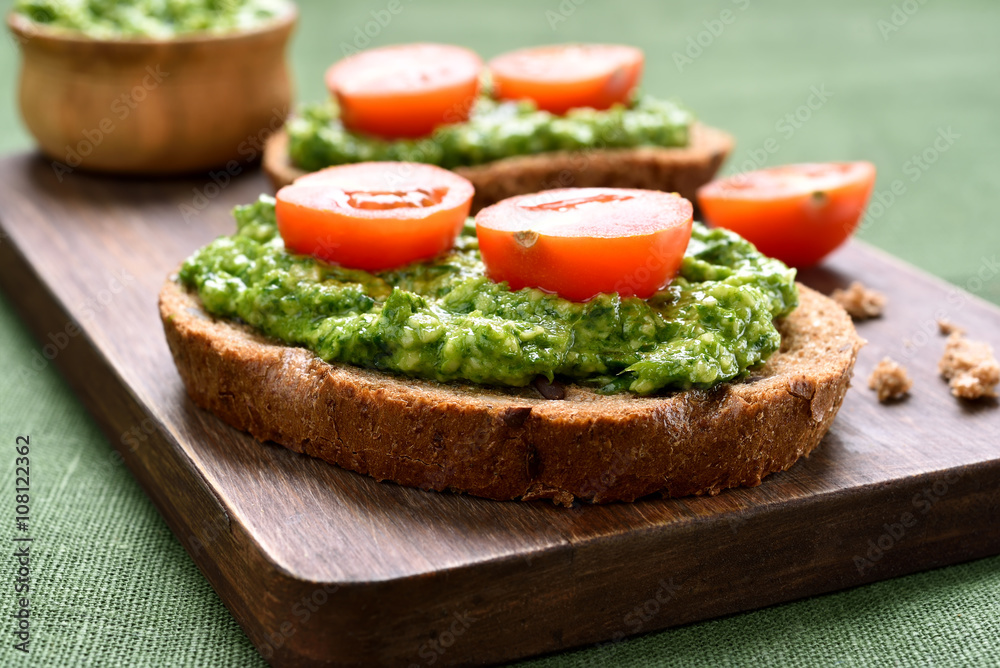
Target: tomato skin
(375, 215)
(796, 213)
(633, 245)
(405, 91)
(562, 77)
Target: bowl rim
(24, 27)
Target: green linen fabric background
(112, 587)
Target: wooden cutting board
(324, 566)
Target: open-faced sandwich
(589, 343)
(546, 117)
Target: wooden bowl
(153, 106)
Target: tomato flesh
(375, 215)
(405, 91)
(580, 242)
(562, 77)
(796, 213)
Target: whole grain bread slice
(512, 443)
(681, 170)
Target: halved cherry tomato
(796, 213)
(374, 215)
(406, 90)
(561, 77)
(579, 242)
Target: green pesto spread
(445, 320)
(157, 19)
(495, 130)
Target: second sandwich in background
(530, 120)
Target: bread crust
(681, 170)
(511, 443)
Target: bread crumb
(970, 367)
(947, 327)
(890, 380)
(860, 302)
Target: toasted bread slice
(512, 443)
(681, 170)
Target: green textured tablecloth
(113, 587)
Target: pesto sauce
(495, 130)
(444, 320)
(158, 19)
